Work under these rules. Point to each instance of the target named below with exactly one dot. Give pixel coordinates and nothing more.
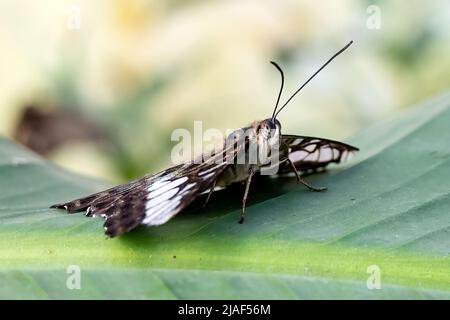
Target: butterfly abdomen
(234, 173)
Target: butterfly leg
(210, 193)
(299, 179)
(244, 199)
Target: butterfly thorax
(260, 146)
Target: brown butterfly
(155, 199)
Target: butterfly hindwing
(311, 154)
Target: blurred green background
(98, 86)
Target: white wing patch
(210, 170)
(326, 154)
(153, 202)
(310, 148)
(165, 187)
(161, 213)
(163, 204)
(158, 184)
(298, 155)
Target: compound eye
(277, 123)
(271, 124)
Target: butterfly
(156, 198)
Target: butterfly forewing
(152, 200)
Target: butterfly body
(233, 174)
(154, 199)
(258, 149)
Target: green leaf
(388, 207)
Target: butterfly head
(268, 133)
(269, 128)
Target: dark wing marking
(151, 200)
(311, 154)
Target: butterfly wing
(311, 154)
(151, 200)
(92, 203)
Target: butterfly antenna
(281, 87)
(315, 73)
